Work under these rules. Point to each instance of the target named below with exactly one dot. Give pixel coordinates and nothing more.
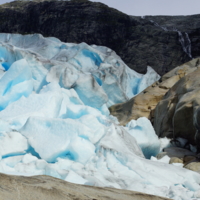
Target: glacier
(54, 119)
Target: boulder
(143, 105)
(161, 155)
(188, 159)
(176, 152)
(175, 160)
(178, 113)
(194, 166)
(49, 188)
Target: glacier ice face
(54, 119)
(62, 138)
(94, 72)
(15, 83)
(12, 143)
(145, 136)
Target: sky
(151, 7)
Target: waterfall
(183, 37)
(156, 24)
(185, 42)
(189, 45)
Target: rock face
(143, 105)
(186, 25)
(45, 187)
(177, 114)
(138, 41)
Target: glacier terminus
(54, 119)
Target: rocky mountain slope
(138, 41)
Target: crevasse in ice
(54, 119)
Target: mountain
(160, 42)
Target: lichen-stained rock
(177, 114)
(143, 105)
(49, 188)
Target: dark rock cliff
(139, 41)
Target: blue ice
(98, 80)
(145, 136)
(94, 56)
(8, 56)
(15, 83)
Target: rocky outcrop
(143, 105)
(177, 114)
(46, 187)
(138, 41)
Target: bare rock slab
(49, 188)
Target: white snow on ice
(54, 119)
